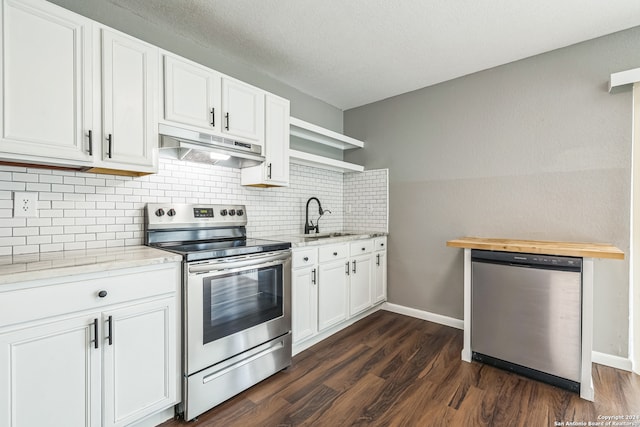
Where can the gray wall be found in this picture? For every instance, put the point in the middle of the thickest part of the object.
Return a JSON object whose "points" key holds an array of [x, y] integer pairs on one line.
{"points": [[303, 106], [535, 149]]}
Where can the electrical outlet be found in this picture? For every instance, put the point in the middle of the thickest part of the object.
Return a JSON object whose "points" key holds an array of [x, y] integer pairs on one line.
{"points": [[25, 204]]}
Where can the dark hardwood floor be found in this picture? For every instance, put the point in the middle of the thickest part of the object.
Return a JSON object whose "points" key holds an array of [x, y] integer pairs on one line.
{"points": [[394, 370]]}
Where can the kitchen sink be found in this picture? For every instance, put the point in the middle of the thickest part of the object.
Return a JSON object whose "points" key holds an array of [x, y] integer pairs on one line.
{"points": [[312, 237]]}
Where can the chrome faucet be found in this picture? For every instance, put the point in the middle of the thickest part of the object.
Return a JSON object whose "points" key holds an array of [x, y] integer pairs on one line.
{"points": [[308, 225]]}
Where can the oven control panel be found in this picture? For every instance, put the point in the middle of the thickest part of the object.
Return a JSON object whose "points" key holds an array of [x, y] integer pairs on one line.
{"points": [[160, 215]]}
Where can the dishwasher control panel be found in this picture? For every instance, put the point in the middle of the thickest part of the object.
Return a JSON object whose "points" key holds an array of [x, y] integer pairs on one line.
{"points": [[518, 258]]}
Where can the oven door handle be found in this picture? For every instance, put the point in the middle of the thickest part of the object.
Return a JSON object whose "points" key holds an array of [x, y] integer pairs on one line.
{"points": [[255, 262]]}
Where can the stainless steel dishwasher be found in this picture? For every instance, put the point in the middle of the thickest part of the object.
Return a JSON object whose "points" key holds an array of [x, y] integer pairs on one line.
{"points": [[526, 314]]}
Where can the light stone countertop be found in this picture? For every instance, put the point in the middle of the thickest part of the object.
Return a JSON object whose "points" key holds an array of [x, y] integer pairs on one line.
{"points": [[47, 265], [313, 239]]}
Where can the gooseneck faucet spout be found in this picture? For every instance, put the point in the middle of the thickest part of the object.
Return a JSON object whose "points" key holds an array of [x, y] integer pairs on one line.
{"points": [[308, 225]]}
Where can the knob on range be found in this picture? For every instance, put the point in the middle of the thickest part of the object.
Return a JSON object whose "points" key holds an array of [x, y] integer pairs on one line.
{"points": [[160, 212], [232, 212], [223, 212], [239, 212], [171, 212]]}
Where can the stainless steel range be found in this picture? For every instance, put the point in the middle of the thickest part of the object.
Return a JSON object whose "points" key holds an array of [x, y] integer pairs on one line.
{"points": [[236, 300]]}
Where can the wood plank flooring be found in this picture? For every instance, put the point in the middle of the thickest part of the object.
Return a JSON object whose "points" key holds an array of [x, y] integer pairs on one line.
{"points": [[393, 370]]}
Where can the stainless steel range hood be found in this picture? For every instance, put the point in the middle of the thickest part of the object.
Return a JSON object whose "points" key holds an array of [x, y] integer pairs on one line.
{"points": [[193, 146]]}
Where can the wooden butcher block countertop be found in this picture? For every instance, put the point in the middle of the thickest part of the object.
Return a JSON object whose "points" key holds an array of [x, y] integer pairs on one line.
{"points": [[585, 250]]}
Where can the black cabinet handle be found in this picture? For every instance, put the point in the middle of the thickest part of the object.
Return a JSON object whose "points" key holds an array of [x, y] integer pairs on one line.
{"points": [[347, 266], [110, 336], [95, 333], [90, 142], [363, 249], [269, 171], [335, 254], [313, 277], [102, 294], [354, 267], [306, 258], [226, 116], [378, 259], [110, 143], [213, 117]]}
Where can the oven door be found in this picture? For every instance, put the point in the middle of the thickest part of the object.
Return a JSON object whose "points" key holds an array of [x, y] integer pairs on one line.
{"points": [[234, 304]]}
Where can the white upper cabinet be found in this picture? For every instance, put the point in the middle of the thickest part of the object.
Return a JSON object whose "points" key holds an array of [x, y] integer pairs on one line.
{"points": [[46, 83], [129, 106], [75, 93], [191, 94], [243, 110], [275, 170], [203, 98]]}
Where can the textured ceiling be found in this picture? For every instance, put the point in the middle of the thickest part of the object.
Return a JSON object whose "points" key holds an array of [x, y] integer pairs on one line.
{"points": [[353, 52]]}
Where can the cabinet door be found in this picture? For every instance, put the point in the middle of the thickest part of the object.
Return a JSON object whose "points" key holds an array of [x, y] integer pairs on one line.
{"points": [[360, 284], [380, 277], [275, 170], [139, 362], [50, 374], [332, 293], [46, 82], [243, 110], [129, 79], [304, 305], [276, 142], [191, 94]]}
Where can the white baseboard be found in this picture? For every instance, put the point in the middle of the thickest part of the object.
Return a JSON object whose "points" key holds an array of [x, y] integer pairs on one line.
{"points": [[612, 361], [424, 315], [617, 362]]}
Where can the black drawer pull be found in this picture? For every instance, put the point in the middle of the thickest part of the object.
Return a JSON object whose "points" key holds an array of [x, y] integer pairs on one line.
{"points": [[102, 294], [95, 333], [110, 337]]}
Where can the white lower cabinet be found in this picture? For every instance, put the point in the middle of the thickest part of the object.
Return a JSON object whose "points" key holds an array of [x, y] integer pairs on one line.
{"points": [[139, 361], [304, 295], [360, 282], [50, 374], [380, 270], [332, 284], [107, 360], [332, 294]]}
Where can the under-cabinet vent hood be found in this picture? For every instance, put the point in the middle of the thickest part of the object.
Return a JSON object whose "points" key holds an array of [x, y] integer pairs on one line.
{"points": [[194, 146]]}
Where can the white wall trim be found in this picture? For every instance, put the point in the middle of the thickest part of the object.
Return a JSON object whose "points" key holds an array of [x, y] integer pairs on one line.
{"points": [[424, 315], [610, 360]]}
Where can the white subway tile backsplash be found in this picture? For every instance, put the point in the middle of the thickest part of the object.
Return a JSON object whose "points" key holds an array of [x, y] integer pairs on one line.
{"points": [[84, 210], [366, 200]]}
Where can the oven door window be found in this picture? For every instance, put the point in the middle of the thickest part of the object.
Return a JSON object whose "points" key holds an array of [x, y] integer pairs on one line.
{"points": [[238, 301]]}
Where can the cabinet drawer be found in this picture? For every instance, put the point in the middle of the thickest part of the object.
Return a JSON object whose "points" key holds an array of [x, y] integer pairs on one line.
{"points": [[380, 243], [361, 247], [81, 294], [333, 252], [304, 257]]}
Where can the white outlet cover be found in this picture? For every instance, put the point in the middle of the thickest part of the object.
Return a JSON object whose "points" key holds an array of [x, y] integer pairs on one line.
{"points": [[25, 204]]}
